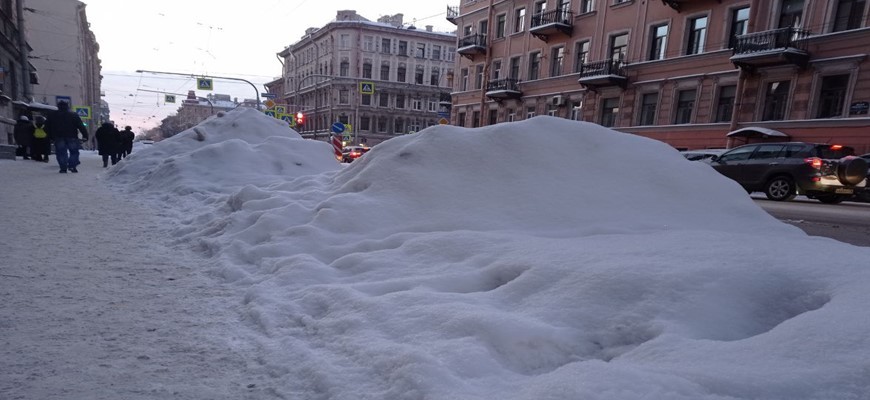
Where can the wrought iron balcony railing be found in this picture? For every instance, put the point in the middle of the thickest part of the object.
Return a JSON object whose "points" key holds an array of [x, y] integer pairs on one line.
{"points": [[776, 39], [598, 68], [505, 85], [473, 40], [564, 17]]}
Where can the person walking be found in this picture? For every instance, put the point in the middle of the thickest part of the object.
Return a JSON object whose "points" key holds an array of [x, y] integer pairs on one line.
{"points": [[41, 148], [127, 137], [23, 133], [63, 127], [108, 142]]}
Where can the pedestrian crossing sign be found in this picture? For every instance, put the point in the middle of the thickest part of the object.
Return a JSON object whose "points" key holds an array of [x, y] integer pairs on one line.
{"points": [[271, 113], [84, 112], [170, 98], [288, 118], [280, 109], [204, 84], [367, 87]]}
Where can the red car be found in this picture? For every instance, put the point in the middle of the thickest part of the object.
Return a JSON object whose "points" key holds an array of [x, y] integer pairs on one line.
{"points": [[350, 153]]}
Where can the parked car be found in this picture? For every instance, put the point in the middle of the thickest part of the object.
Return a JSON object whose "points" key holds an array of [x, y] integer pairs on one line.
{"points": [[828, 173], [863, 194], [350, 153], [701, 154]]}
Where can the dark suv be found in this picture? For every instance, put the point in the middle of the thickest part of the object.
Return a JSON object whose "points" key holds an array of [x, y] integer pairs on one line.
{"points": [[828, 173]]}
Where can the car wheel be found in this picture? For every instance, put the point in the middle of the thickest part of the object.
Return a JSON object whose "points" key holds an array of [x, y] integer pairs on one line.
{"points": [[830, 199], [851, 170], [780, 188]]}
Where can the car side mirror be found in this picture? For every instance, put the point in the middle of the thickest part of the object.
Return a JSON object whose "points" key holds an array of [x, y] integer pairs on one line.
{"points": [[714, 158]]}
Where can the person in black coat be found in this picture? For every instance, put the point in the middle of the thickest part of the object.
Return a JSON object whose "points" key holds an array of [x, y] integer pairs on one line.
{"points": [[127, 137], [63, 127], [108, 143], [23, 133]]}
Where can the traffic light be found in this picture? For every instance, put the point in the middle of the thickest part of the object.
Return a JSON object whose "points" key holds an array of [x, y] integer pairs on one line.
{"points": [[300, 119]]}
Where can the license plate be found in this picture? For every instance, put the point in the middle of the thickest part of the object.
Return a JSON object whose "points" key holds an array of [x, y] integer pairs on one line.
{"points": [[844, 191]]}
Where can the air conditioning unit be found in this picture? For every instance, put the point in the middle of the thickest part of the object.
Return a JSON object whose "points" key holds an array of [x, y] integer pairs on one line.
{"points": [[557, 101]]}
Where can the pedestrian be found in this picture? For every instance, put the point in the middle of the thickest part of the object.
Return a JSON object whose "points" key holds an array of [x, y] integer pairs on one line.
{"points": [[127, 137], [108, 142], [23, 133], [63, 127], [41, 148]]}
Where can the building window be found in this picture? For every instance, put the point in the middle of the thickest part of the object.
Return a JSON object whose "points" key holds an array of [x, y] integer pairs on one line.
{"points": [[460, 119], [365, 124], [496, 69], [463, 79], [436, 52], [557, 59], [386, 46], [493, 116], [581, 57], [609, 111], [478, 76], [619, 47], [648, 104], [367, 70], [520, 20], [739, 25], [530, 112], [385, 72], [832, 96], [343, 96], [483, 27], [475, 119], [400, 101], [511, 115], [775, 101], [791, 13], [399, 125], [685, 106], [848, 15], [403, 48], [368, 43], [435, 77], [499, 25], [366, 99], [344, 68], [382, 124], [344, 41], [383, 99], [725, 103], [418, 75], [586, 6], [577, 111], [400, 74], [534, 65], [658, 40], [697, 35], [421, 50], [515, 68], [417, 104]]}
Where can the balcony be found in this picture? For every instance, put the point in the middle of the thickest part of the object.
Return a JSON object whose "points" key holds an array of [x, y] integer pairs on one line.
{"points": [[782, 46], [676, 4], [444, 100], [472, 45], [452, 14], [552, 22], [603, 73], [501, 89]]}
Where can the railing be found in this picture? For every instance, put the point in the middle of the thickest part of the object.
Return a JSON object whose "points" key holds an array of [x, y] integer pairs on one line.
{"points": [[606, 67], [771, 40], [475, 39], [506, 84], [552, 17], [452, 12]]}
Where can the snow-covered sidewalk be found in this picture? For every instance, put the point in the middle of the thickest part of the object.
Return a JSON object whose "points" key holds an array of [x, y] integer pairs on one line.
{"points": [[97, 305]]}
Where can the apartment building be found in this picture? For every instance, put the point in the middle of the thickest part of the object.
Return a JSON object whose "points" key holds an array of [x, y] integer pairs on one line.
{"points": [[16, 73], [381, 78], [692, 73]]}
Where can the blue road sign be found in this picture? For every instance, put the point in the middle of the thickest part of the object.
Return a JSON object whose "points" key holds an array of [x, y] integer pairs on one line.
{"points": [[269, 95], [338, 127], [59, 99], [204, 84]]}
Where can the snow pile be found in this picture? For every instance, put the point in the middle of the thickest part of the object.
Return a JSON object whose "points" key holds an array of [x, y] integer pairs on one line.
{"points": [[542, 259]]}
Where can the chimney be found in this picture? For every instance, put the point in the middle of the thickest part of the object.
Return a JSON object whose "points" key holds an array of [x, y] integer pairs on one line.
{"points": [[191, 95], [346, 15], [428, 28]]}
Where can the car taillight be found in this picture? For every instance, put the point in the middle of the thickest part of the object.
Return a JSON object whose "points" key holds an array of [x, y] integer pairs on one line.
{"points": [[814, 162], [836, 147]]}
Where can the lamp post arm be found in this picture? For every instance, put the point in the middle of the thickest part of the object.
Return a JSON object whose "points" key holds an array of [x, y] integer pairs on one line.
{"points": [[256, 92]]}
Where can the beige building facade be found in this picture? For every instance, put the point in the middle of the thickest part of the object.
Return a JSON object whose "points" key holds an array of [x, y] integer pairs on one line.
{"points": [[687, 72], [381, 78]]}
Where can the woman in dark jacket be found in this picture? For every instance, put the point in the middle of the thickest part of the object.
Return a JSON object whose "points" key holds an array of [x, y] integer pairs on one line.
{"points": [[23, 133], [108, 143]]}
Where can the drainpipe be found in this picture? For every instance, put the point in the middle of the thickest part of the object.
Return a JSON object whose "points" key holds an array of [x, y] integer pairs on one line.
{"points": [[24, 53], [484, 81]]}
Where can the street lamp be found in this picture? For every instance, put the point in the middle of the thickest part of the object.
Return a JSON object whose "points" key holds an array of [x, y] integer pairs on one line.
{"points": [[256, 92]]}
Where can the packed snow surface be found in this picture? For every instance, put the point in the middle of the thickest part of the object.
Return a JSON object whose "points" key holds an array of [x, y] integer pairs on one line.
{"points": [[541, 259]]}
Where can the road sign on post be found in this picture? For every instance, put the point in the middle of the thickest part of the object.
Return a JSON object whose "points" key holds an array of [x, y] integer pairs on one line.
{"points": [[269, 95], [169, 98], [338, 127], [84, 112], [204, 84], [367, 87]]}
